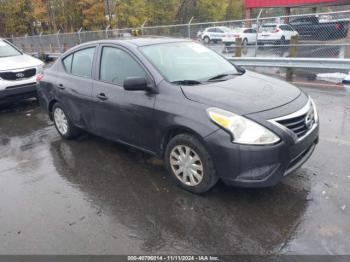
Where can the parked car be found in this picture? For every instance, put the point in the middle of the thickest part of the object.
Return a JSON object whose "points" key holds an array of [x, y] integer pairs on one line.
{"points": [[311, 28], [18, 73], [248, 36], [275, 34], [183, 102], [214, 34]]}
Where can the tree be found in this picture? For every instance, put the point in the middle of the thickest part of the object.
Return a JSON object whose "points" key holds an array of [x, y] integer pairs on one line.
{"points": [[93, 12], [234, 9], [211, 10], [131, 13]]}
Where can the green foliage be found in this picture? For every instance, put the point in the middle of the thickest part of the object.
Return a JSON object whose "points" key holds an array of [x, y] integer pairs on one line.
{"points": [[18, 17]]}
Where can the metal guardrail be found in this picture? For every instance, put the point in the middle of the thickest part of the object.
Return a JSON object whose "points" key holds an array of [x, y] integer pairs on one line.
{"points": [[288, 62]]}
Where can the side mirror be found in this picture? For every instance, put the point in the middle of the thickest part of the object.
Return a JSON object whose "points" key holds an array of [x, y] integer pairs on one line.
{"points": [[136, 84]]}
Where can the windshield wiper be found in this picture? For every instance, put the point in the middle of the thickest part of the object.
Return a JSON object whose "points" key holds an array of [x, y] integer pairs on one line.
{"points": [[187, 82], [219, 76]]}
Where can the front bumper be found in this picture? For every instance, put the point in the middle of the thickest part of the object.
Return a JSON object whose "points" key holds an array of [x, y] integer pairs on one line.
{"points": [[258, 166], [19, 92]]}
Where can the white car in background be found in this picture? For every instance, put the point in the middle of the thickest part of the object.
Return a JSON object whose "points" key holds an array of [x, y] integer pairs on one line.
{"points": [[275, 34], [214, 34], [18, 73], [248, 36]]}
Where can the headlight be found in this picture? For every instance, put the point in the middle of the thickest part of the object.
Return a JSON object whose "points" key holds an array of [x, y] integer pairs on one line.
{"points": [[243, 130], [315, 110], [40, 69]]}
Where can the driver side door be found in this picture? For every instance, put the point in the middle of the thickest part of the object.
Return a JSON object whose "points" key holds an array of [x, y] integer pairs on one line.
{"points": [[121, 115]]}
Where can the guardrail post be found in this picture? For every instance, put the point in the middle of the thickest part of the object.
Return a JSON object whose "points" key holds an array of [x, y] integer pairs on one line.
{"points": [[41, 44], [58, 41], [189, 28], [106, 31], [238, 49], [142, 26], [257, 31], [292, 53], [347, 48], [79, 37]]}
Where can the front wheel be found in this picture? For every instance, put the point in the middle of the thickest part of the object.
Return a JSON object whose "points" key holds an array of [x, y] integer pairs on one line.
{"points": [[190, 164], [62, 123], [206, 40]]}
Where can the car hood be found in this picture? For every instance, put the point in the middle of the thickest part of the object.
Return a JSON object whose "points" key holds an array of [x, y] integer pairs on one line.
{"points": [[18, 62], [245, 94]]}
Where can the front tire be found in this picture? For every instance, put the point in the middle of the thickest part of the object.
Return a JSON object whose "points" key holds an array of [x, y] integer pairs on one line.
{"points": [[62, 123], [206, 40], [190, 164]]}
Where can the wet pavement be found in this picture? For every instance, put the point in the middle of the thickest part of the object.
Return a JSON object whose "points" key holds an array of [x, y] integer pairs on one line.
{"points": [[93, 196]]}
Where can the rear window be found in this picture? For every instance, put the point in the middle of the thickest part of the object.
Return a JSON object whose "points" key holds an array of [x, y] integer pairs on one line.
{"points": [[82, 62], [7, 50], [268, 28]]}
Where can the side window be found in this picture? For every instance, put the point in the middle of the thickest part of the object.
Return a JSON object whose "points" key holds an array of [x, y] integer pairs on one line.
{"points": [[211, 30], [67, 63], [82, 62], [117, 65], [253, 31], [219, 30], [283, 27]]}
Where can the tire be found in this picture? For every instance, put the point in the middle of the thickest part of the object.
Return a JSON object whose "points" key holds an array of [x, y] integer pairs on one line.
{"points": [[282, 41], [202, 164], [62, 123], [206, 40], [245, 42]]}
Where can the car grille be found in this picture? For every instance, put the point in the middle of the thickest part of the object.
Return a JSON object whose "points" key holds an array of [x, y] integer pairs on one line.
{"points": [[18, 75], [299, 125]]}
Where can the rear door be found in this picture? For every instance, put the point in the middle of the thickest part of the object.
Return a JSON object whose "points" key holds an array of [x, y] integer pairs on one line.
{"points": [[122, 115], [74, 86]]}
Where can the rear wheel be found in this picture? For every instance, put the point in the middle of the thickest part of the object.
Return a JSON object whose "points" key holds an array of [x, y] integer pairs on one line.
{"points": [[190, 164], [245, 42], [206, 40], [282, 41], [62, 123]]}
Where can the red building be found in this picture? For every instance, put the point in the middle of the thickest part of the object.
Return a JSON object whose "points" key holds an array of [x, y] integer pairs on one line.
{"points": [[251, 4]]}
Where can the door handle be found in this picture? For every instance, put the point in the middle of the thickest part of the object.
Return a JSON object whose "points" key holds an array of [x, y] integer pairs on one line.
{"points": [[102, 96], [61, 86]]}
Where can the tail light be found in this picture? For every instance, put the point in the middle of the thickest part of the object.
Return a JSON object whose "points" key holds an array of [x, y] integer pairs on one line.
{"points": [[338, 26], [276, 30], [39, 77]]}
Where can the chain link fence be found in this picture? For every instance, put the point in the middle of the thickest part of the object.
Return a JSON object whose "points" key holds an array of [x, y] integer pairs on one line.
{"points": [[307, 35]]}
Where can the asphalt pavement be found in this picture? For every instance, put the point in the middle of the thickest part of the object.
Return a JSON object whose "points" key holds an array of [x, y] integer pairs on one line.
{"points": [[93, 196]]}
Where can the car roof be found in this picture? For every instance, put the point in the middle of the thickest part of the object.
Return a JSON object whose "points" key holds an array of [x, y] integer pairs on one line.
{"points": [[140, 41]]}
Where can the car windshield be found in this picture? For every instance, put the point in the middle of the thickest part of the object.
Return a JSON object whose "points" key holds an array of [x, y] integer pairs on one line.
{"points": [[187, 61], [225, 29], [7, 50], [268, 28]]}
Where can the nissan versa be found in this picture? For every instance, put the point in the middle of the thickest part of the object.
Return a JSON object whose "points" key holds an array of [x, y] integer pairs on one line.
{"points": [[183, 102]]}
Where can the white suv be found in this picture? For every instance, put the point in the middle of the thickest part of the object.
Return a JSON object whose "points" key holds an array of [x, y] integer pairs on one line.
{"points": [[18, 73], [275, 34], [214, 34]]}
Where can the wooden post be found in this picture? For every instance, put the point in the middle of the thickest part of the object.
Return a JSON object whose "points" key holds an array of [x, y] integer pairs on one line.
{"points": [[293, 52], [238, 49], [287, 14], [347, 48]]}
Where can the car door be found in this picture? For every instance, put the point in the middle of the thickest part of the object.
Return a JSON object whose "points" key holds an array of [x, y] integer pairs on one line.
{"points": [[122, 115], [74, 86], [253, 35]]}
